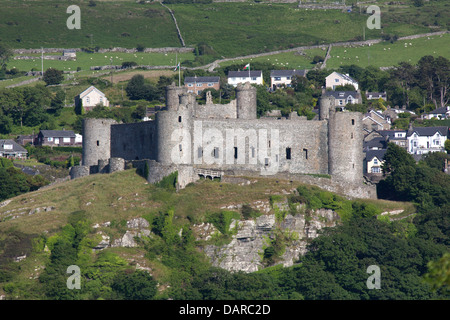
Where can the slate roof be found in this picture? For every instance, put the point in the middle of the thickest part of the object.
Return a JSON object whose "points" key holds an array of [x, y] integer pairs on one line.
{"points": [[428, 131], [288, 73], [245, 73], [57, 133], [377, 142], [342, 94], [201, 79], [379, 154], [441, 110], [16, 147]]}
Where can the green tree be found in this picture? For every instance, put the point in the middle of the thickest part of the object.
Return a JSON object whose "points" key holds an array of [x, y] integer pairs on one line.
{"points": [[138, 285], [5, 54], [53, 76]]}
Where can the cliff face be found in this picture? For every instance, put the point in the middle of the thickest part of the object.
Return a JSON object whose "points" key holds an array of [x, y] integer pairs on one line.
{"points": [[246, 249]]}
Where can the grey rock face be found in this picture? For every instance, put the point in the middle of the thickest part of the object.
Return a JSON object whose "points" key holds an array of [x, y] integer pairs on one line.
{"points": [[244, 252]]}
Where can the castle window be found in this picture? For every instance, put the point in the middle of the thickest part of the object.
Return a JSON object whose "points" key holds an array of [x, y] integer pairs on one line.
{"points": [[266, 162], [98, 143], [288, 153], [253, 152], [216, 152], [305, 153], [235, 152], [181, 149], [269, 143], [200, 152], [179, 118], [352, 135], [353, 122]]}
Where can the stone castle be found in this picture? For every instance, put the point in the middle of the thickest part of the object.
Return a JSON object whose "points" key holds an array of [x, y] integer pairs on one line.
{"points": [[228, 140]]}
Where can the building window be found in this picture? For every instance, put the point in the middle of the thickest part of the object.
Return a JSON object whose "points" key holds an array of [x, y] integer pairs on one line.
{"points": [[277, 78], [235, 152], [210, 84], [305, 153], [49, 139], [254, 78], [288, 153], [199, 152], [216, 152], [336, 80], [375, 161], [351, 137], [266, 162], [190, 85], [181, 148], [179, 118], [66, 140], [436, 142], [98, 142], [353, 122], [253, 152], [376, 170]]}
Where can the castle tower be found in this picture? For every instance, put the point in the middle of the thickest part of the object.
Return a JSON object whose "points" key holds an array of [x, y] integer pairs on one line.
{"points": [[246, 101], [173, 94], [345, 146], [326, 104], [96, 140], [174, 134]]}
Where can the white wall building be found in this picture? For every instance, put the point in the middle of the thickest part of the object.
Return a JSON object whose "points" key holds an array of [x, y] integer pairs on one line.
{"points": [[90, 98], [236, 77], [337, 79], [422, 140]]}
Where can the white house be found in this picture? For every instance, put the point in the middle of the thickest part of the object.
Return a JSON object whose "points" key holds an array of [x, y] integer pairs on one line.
{"points": [[236, 77], [90, 98], [439, 113], [280, 78], [422, 140], [337, 79]]}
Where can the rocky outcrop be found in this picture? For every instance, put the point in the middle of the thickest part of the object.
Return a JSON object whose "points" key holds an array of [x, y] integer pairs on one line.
{"points": [[244, 252]]}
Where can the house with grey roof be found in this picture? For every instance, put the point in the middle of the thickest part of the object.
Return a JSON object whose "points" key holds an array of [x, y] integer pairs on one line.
{"points": [[11, 149], [397, 136], [439, 113], [422, 140], [373, 161], [283, 78], [342, 98], [57, 138], [336, 79], [198, 84]]}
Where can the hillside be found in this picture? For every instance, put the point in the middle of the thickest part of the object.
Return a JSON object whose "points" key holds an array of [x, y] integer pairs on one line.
{"points": [[230, 29], [30, 224]]}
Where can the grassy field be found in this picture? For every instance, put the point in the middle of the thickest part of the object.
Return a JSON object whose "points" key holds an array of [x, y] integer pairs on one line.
{"points": [[86, 60]]}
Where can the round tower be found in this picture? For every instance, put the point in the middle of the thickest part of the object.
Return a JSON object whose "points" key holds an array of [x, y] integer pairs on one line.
{"points": [[173, 94], [96, 140], [326, 104], [345, 146], [246, 101], [173, 135]]}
